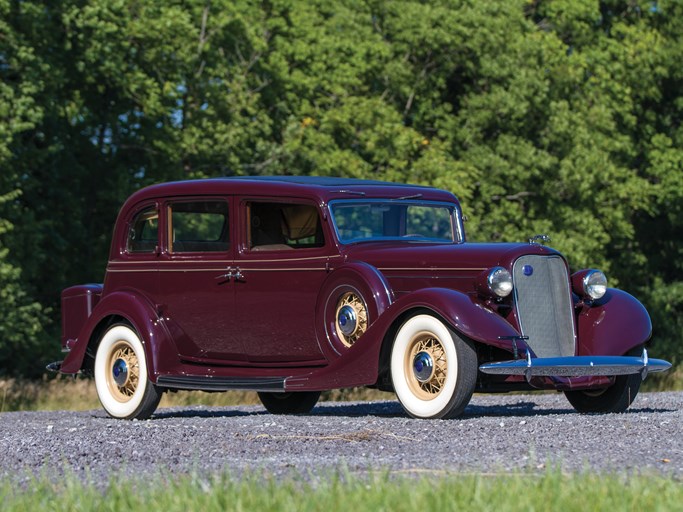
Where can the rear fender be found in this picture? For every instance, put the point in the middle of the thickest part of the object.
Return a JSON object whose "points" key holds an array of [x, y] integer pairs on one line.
{"points": [[613, 325], [137, 310]]}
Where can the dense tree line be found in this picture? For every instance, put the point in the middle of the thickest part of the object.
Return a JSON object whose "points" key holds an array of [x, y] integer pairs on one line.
{"points": [[560, 117]]}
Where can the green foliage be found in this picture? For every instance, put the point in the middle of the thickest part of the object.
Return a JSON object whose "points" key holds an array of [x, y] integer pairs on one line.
{"points": [[560, 117], [377, 491]]}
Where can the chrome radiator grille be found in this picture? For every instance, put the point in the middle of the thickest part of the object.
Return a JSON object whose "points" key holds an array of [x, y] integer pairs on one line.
{"points": [[544, 306]]}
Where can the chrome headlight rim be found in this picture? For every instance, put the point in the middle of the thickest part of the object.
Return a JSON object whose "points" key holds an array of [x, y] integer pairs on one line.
{"points": [[594, 284], [499, 282]]}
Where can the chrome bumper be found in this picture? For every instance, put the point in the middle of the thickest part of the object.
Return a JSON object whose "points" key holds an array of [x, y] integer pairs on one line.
{"points": [[577, 366]]}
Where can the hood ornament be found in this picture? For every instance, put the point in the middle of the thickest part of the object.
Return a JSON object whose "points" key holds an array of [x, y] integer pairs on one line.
{"points": [[539, 240]]}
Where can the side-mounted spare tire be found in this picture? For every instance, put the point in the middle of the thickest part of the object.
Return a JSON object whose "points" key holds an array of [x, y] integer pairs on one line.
{"points": [[350, 300]]}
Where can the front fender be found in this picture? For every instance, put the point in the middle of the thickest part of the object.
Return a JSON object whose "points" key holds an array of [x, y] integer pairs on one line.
{"points": [[136, 309], [613, 325], [359, 365], [465, 315]]}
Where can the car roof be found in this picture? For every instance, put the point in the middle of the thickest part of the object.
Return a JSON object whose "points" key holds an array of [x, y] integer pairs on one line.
{"points": [[320, 188]]}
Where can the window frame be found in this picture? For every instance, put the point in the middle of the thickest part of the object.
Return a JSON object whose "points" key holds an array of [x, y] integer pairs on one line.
{"points": [[456, 221], [245, 248], [167, 235], [136, 212]]}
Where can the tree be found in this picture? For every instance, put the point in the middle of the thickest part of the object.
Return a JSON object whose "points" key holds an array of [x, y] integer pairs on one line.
{"points": [[560, 117]]}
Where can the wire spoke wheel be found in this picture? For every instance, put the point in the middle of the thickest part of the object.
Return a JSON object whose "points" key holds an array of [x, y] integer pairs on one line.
{"points": [[124, 376], [121, 379], [426, 365], [351, 318], [433, 369]]}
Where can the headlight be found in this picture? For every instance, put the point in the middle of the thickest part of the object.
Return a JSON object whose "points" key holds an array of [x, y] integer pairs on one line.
{"points": [[499, 281], [589, 284], [594, 284]]}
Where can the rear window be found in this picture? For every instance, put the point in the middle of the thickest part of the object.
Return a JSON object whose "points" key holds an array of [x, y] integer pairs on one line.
{"points": [[143, 235]]}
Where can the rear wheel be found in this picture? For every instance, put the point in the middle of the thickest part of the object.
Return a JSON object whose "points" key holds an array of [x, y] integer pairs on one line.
{"points": [[616, 398], [121, 379], [433, 369], [299, 402]]}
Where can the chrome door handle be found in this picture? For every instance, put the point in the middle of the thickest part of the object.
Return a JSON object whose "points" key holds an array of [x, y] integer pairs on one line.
{"points": [[225, 277], [235, 274]]}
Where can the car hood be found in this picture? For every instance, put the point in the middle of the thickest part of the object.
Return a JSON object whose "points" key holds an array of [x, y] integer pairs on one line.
{"points": [[408, 255]]}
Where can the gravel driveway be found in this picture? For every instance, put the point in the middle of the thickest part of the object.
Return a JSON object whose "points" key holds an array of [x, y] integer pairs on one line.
{"points": [[497, 434]]}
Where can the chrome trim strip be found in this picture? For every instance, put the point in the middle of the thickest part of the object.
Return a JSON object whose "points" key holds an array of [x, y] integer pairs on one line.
{"points": [[227, 260], [245, 269], [249, 260], [431, 269], [220, 270]]}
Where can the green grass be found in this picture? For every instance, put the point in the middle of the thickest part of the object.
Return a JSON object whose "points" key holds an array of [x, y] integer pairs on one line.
{"points": [[552, 490], [66, 393]]}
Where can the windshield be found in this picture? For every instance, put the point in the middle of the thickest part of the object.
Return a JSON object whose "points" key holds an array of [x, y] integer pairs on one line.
{"points": [[372, 220]]}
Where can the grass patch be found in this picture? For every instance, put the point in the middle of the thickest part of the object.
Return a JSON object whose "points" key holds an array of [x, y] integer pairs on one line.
{"points": [[552, 490], [78, 394], [667, 381]]}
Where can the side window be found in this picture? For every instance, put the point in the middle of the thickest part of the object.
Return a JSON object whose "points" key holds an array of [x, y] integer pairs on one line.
{"points": [[283, 226], [198, 226], [143, 235]]}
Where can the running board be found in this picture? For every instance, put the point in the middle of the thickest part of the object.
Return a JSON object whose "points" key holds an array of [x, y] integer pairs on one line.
{"points": [[577, 366], [203, 383]]}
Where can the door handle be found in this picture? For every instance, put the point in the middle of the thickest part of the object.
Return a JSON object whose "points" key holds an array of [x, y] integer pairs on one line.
{"points": [[235, 274]]}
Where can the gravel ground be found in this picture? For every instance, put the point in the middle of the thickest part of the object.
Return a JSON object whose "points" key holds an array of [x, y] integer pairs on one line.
{"points": [[497, 434]]}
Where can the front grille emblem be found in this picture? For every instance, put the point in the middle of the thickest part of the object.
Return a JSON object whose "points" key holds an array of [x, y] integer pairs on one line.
{"points": [[528, 270]]}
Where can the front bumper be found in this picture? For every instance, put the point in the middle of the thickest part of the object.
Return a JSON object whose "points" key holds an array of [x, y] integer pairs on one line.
{"points": [[577, 366]]}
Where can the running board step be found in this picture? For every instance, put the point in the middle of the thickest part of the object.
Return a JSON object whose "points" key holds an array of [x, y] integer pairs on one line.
{"points": [[203, 383]]}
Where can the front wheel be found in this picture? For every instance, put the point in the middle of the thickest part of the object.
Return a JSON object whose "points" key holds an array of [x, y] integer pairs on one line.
{"points": [[616, 398], [299, 402], [121, 379], [433, 369]]}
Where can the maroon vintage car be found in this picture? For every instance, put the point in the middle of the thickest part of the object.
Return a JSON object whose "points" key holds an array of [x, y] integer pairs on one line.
{"points": [[293, 285]]}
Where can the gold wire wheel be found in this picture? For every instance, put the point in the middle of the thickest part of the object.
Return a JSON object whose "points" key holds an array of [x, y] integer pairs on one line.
{"points": [[123, 373], [425, 366], [351, 318]]}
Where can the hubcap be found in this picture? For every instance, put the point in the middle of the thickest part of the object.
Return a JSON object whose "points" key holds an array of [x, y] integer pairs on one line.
{"points": [[351, 318], [347, 320], [423, 366], [120, 372]]}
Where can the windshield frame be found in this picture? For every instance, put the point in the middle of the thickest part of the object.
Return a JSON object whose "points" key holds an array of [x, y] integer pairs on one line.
{"points": [[455, 213]]}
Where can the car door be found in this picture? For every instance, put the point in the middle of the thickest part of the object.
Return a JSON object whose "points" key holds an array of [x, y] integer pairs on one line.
{"points": [[196, 289], [282, 261]]}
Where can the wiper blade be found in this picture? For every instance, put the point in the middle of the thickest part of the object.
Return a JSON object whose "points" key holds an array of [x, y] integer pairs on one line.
{"points": [[414, 196], [345, 191]]}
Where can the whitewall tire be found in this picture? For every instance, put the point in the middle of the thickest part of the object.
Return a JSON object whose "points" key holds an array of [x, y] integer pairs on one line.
{"points": [[123, 386], [433, 369]]}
